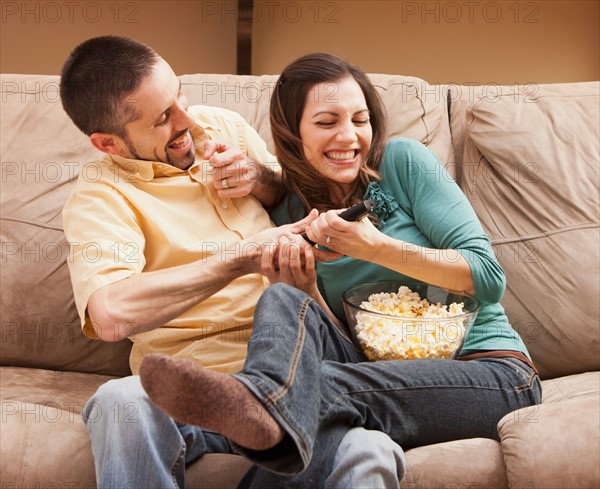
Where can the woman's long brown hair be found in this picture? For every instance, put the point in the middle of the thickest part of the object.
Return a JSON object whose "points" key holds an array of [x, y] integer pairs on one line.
{"points": [[287, 105]]}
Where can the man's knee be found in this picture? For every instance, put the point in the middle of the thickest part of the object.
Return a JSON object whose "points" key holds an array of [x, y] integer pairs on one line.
{"points": [[367, 458], [114, 400]]}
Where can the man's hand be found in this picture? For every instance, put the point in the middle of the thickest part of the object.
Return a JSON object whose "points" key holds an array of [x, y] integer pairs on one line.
{"points": [[236, 175], [267, 241]]}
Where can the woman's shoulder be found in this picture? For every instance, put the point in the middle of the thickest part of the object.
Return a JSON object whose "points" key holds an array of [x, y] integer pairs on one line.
{"points": [[290, 209], [405, 154], [407, 146]]}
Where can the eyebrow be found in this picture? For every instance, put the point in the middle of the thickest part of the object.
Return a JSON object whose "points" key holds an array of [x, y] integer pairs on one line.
{"points": [[168, 109], [328, 112]]}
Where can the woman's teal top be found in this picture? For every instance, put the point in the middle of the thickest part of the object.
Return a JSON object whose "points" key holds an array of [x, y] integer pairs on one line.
{"points": [[419, 203]]}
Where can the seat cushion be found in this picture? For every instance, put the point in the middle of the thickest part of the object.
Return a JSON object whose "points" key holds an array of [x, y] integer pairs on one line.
{"points": [[553, 445], [571, 387], [475, 462], [43, 436], [45, 440]]}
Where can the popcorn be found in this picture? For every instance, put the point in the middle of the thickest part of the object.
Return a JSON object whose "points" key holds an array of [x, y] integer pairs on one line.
{"points": [[387, 338]]}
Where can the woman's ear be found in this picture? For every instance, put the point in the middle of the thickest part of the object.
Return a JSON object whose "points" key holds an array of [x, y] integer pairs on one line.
{"points": [[107, 143]]}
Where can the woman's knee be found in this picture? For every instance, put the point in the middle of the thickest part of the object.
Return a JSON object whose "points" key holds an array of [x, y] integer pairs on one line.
{"points": [[284, 293]]}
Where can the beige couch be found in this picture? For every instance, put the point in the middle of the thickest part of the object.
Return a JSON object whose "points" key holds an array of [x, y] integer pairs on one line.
{"points": [[527, 157]]}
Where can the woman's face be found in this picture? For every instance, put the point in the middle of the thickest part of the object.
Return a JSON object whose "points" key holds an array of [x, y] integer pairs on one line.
{"points": [[335, 130]]}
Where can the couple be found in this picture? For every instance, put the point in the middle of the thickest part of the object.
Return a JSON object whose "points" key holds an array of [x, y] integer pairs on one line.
{"points": [[303, 385]]}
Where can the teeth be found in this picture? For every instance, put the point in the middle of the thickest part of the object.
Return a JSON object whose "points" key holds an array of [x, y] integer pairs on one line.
{"points": [[341, 155], [179, 142]]}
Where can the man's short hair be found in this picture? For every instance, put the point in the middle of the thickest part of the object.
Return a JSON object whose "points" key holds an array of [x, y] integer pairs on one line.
{"points": [[98, 77]]}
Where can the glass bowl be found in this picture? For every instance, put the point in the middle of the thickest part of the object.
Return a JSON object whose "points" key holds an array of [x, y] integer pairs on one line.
{"points": [[395, 332]]}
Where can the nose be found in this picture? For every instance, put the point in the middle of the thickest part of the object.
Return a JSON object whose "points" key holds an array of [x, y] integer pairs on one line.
{"points": [[182, 118], [347, 132]]}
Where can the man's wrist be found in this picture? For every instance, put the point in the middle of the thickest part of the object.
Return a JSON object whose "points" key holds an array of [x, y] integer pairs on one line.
{"points": [[241, 257]]}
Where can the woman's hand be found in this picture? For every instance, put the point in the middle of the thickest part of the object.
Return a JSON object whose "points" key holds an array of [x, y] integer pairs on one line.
{"points": [[357, 239], [293, 263]]}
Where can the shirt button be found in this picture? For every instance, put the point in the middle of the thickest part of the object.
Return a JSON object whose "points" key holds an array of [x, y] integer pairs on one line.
{"points": [[224, 205]]}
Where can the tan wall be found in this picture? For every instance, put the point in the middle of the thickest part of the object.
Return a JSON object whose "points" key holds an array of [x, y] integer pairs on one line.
{"points": [[458, 41], [37, 36], [479, 41]]}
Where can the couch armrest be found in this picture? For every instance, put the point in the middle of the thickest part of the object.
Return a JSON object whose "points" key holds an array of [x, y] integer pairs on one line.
{"points": [[554, 445]]}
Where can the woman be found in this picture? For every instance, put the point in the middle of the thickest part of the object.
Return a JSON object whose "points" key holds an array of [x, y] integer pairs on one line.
{"points": [[311, 384]]}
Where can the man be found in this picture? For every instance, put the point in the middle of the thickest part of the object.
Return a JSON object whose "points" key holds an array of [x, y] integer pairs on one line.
{"points": [[175, 215]]}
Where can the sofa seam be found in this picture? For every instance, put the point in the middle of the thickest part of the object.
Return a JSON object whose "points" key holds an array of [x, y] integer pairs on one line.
{"points": [[32, 223], [546, 234], [423, 111]]}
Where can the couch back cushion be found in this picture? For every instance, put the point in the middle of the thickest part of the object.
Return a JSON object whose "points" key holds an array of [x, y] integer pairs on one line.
{"points": [[530, 168], [42, 152], [415, 109]]}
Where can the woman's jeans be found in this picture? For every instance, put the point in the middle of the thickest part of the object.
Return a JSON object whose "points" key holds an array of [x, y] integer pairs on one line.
{"points": [[316, 384]]}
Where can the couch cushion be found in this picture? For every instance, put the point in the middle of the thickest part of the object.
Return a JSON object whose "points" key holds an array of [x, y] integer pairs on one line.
{"points": [[31, 433], [41, 155], [42, 408], [216, 470], [571, 387], [416, 109], [530, 169], [476, 462], [554, 445], [27, 461]]}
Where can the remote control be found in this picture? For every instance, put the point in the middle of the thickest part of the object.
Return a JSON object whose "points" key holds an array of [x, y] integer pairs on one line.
{"points": [[354, 213]]}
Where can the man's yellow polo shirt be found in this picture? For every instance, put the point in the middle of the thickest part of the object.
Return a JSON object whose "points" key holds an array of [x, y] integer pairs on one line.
{"points": [[129, 216]]}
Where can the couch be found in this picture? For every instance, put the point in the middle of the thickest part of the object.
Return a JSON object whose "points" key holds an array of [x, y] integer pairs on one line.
{"points": [[526, 156]]}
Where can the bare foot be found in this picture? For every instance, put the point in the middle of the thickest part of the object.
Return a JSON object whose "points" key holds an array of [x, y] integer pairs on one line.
{"points": [[194, 395]]}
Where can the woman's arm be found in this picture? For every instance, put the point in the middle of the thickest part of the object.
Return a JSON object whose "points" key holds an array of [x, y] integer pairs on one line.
{"points": [[445, 268], [449, 248]]}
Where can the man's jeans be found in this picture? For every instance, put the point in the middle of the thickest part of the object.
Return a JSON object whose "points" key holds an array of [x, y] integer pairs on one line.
{"points": [[317, 386], [137, 446]]}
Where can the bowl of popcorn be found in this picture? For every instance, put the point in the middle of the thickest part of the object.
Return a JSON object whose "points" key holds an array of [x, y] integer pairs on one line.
{"points": [[407, 321]]}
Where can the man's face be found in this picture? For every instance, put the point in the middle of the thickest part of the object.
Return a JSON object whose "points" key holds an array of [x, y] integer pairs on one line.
{"points": [[162, 132]]}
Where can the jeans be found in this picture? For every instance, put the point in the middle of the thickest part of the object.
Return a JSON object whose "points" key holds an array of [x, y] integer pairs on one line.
{"points": [[367, 460], [314, 382], [137, 446]]}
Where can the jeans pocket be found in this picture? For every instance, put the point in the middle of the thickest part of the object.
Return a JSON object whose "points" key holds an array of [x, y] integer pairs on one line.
{"points": [[530, 380]]}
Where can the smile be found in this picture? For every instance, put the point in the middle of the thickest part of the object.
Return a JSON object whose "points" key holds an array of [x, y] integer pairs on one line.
{"points": [[181, 141], [341, 155]]}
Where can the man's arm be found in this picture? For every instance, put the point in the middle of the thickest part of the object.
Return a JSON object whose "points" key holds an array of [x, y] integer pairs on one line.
{"points": [[147, 300]]}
